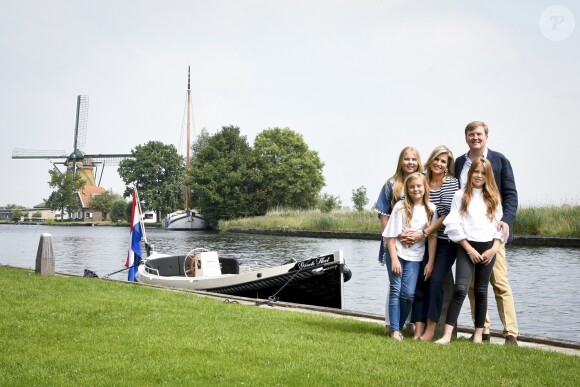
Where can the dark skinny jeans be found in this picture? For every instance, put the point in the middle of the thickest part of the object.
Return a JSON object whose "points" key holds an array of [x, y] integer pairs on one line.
{"points": [[429, 294], [464, 270]]}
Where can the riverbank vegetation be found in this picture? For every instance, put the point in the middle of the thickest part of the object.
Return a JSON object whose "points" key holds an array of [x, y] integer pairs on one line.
{"points": [[563, 221], [61, 330], [553, 221]]}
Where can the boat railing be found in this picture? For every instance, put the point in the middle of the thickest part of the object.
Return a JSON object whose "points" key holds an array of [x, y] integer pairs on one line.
{"points": [[152, 270]]}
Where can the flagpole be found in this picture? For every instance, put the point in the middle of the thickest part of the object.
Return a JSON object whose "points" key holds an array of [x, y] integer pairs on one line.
{"points": [[134, 254], [141, 214]]}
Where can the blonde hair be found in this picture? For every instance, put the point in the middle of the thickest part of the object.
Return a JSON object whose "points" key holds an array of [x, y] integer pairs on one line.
{"points": [[399, 178], [490, 193], [440, 150], [409, 206]]}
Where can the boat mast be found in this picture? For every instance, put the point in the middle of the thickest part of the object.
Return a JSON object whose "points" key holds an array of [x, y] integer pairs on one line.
{"points": [[188, 137]]}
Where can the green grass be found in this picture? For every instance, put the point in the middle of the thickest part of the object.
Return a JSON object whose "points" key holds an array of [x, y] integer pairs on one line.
{"points": [[84, 331], [561, 221]]}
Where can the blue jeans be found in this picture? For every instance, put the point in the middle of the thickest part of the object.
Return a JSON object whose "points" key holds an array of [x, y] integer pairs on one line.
{"points": [[401, 292]]}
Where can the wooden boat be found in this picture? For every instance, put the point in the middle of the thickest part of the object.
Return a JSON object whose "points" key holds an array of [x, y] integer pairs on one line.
{"points": [[186, 219], [313, 281]]}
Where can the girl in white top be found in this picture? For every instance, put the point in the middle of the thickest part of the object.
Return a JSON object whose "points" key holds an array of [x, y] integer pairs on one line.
{"points": [[413, 213], [473, 224]]}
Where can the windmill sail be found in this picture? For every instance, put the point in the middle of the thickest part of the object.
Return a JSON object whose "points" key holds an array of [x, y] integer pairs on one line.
{"points": [[77, 161], [81, 122]]}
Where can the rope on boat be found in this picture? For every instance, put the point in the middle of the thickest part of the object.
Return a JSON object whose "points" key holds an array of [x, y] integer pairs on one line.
{"points": [[115, 272], [273, 298]]}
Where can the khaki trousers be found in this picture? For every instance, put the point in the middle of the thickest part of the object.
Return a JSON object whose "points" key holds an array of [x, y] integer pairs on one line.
{"points": [[503, 296]]}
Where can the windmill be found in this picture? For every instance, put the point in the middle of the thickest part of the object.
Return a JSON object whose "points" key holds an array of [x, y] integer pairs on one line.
{"points": [[78, 161]]}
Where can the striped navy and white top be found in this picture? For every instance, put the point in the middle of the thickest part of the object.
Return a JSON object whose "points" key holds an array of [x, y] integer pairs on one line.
{"points": [[442, 198]]}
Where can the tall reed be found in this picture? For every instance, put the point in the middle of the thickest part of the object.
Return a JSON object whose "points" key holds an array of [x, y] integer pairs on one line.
{"points": [[561, 221], [338, 220]]}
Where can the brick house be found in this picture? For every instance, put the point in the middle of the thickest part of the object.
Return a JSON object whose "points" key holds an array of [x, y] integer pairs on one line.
{"points": [[86, 213]]}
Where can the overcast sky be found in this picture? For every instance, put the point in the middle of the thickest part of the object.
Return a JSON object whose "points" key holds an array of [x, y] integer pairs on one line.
{"points": [[358, 79]]}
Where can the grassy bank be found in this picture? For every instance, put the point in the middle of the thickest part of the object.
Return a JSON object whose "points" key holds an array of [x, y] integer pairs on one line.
{"points": [[545, 221], [72, 330]]}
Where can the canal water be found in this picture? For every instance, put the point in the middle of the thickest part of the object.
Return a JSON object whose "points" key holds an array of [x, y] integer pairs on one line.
{"points": [[544, 279]]}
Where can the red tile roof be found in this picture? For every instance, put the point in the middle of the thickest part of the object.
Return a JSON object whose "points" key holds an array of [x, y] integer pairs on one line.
{"points": [[87, 193]]}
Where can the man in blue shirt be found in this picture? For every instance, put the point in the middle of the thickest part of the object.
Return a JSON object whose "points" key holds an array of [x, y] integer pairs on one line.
{"points": [[476, 134]]}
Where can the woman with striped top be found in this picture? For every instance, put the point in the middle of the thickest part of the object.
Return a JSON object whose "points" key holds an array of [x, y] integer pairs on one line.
{"points": [[429, 292]]}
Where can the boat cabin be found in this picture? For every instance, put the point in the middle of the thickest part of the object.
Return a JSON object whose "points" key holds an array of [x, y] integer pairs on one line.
{"points": [[203, 265], [199, 265]]}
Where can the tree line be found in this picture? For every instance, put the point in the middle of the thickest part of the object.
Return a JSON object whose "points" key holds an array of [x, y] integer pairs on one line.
{"points": [[228, 178]]}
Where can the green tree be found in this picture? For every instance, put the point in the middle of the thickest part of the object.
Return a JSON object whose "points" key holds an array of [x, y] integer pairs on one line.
{"points": [[327, 202], [200, 141], [119, 210], [359, 198], [104, 202], [292, 173], [158, 172], [223, 179], [64, 197]]}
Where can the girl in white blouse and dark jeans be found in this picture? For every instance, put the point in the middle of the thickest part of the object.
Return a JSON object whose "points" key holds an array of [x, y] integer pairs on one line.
{"points": [[473, 224]]}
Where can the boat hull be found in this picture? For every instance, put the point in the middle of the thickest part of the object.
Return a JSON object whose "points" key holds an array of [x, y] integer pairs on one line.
{"points": [[185, 220], [316, 281]]}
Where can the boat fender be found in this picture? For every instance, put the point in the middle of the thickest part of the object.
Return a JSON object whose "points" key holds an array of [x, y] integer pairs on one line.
{"points": [[347, 273]]}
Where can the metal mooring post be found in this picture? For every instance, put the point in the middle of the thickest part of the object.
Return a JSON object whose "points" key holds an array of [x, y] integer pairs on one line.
{"points": [[45, 256]]}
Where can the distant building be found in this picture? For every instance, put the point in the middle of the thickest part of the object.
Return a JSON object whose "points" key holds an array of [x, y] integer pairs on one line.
{"points": [[86, 213], [5, 214], [45, 212], [149, 217]]}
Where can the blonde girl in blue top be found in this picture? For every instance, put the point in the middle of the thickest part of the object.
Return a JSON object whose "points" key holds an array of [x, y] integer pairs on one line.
{"points": [[392, 191], [413, 213]]}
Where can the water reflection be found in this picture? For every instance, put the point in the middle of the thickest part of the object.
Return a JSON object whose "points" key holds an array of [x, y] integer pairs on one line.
{"points": [[543, 279]]}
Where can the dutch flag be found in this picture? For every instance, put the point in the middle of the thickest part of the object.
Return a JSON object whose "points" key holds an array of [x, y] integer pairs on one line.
{"points": [[134, 255]]}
